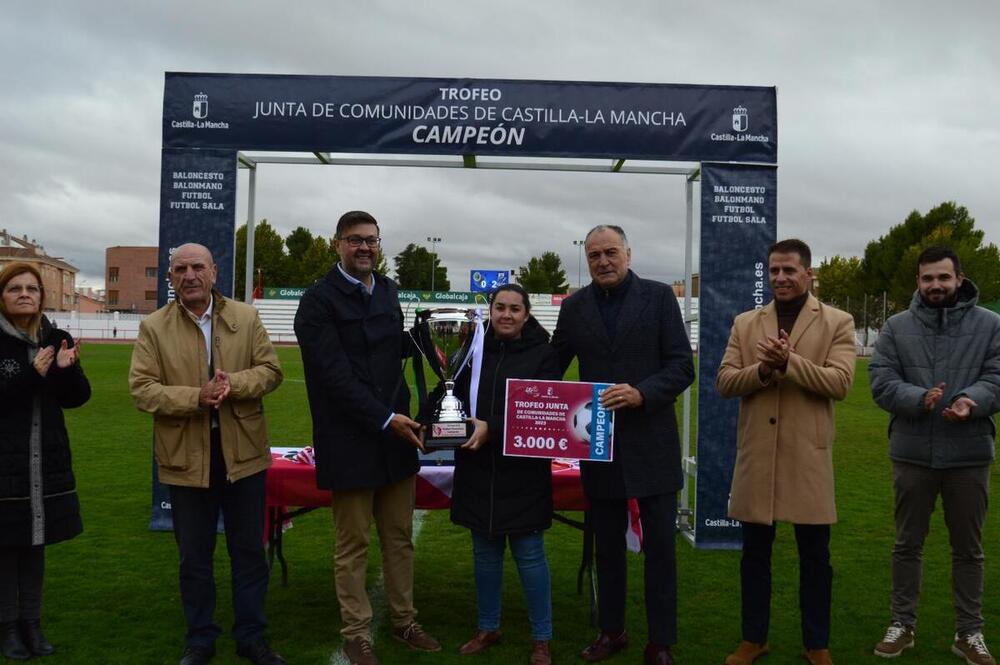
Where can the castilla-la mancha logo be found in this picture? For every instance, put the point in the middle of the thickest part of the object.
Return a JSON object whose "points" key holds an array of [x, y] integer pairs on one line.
{"points": [[200, 107], [741, 120]]}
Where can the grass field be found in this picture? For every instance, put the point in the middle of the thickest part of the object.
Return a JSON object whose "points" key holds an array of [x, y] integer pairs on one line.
{"points": [[112, 594]]}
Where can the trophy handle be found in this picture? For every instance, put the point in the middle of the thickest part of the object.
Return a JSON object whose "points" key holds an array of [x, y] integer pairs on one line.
{"points": [[417, 346]]}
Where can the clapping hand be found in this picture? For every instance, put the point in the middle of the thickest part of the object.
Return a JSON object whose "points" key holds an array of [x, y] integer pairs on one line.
{"points": [[959, 410], [773, 351], [215, 391], [933, 396], [66, 356], [43, 360]]}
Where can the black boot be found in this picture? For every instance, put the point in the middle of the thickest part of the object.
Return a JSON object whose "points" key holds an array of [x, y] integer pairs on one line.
{"points": [[31, 631], [13, 647]]}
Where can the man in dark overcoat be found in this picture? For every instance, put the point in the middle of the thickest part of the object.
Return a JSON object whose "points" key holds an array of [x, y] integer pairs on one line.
{"points": [[629, 331], [350, 331]]}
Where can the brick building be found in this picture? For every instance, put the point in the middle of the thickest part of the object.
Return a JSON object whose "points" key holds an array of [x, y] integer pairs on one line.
{"points": [[130, 279], [678, 286], [89, 300], [58, 277]]}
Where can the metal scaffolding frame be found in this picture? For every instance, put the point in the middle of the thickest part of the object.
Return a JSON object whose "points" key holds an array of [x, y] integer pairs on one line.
{"points": [[692, 174]]}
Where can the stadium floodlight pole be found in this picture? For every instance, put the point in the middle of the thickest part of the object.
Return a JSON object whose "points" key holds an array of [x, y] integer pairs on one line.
{"points": [[579, 264], [433, 240]]}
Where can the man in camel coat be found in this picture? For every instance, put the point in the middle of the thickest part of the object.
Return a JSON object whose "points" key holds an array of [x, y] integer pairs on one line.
{"points": [[787, 362]]}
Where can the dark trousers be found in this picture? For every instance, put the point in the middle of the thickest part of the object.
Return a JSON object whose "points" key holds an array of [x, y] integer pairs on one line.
{"points": [[815, 582], [196, 516], [21, 572], [965, 494], [610, 520]]}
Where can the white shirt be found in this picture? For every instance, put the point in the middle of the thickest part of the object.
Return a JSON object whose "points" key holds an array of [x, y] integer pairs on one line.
{"points": [[205, 324], [354, 280]]}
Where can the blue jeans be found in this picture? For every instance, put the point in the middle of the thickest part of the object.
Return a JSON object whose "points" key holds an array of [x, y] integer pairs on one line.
{"points": [[529, 555]]}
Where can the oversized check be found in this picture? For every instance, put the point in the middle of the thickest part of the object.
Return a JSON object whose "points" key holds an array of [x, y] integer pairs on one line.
{"points": [[557, 419]]}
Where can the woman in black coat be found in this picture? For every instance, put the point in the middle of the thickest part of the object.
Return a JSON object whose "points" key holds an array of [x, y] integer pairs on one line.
{"points": [[506, 499], [40, 375]]}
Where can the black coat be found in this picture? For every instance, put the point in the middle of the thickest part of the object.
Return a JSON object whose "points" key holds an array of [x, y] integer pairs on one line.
{"points": [[494, 494], [651, 352], [352, 347], [21, 390]]}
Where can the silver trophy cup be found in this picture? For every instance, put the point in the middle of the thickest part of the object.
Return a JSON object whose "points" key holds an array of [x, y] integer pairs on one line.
{"points": [[444, 337]]}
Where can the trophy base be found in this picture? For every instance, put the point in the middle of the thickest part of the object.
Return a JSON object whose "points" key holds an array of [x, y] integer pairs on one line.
{"points": [[447, 435]]}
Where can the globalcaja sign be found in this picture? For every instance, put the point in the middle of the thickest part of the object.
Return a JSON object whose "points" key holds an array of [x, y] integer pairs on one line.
{"points": [[470, 116], [283, 293], [409, 295], [456, 297]]}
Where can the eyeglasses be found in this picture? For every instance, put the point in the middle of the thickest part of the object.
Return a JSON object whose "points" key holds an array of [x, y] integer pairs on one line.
{"points": [[356, 241]]}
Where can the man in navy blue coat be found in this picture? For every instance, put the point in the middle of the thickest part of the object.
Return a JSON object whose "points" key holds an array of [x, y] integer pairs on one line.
{"points": [[629, 331], [350, 331]]}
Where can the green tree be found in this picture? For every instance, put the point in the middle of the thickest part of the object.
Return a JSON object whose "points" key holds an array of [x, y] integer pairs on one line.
{"points": [[841, 285], [890, 262], [840, 280], [316, 261], [543, 274], [413, 269], [382, 268], [298, 243], [268, 256]]}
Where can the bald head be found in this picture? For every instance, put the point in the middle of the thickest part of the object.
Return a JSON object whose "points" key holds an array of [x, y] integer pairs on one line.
{"points": [[192, 274], [193, 249]]}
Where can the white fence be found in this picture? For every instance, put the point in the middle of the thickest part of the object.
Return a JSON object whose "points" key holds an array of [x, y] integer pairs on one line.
{"points": [[100, 326], [278, 317]]}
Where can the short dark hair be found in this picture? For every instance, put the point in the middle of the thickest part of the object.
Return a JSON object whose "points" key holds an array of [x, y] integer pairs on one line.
{"points": [[351, 219], [936, 253], [792, 246], [516, 288]]}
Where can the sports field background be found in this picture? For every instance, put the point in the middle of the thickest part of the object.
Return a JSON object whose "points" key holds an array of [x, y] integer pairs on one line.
{"points": [[112, 594]]}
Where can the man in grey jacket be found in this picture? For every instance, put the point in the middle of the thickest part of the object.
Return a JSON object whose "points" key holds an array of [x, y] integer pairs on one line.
{"points": [[936, 370]]}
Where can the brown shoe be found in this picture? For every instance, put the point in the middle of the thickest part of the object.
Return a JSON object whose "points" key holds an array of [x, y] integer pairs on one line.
{"points": [[358, 651], [972, 647], [606, 645], [482, 640], [656, 654], [818, 656], [414, 637], [897, 639], [747, 652], [540, 653]]}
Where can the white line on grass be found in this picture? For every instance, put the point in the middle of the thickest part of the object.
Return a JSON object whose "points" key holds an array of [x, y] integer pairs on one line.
{"points": [[376, 595]]}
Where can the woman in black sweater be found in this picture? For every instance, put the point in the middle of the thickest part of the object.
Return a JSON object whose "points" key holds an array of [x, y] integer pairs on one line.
{"points": [[40, 376], [506, 499]]}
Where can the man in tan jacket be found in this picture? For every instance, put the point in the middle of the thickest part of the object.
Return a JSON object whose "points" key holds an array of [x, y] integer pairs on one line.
{"points": [[201, 365], [787, 362]]}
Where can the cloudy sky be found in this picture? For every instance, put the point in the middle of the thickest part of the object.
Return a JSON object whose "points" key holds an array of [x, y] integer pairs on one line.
{"points": [[883, 108]]}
